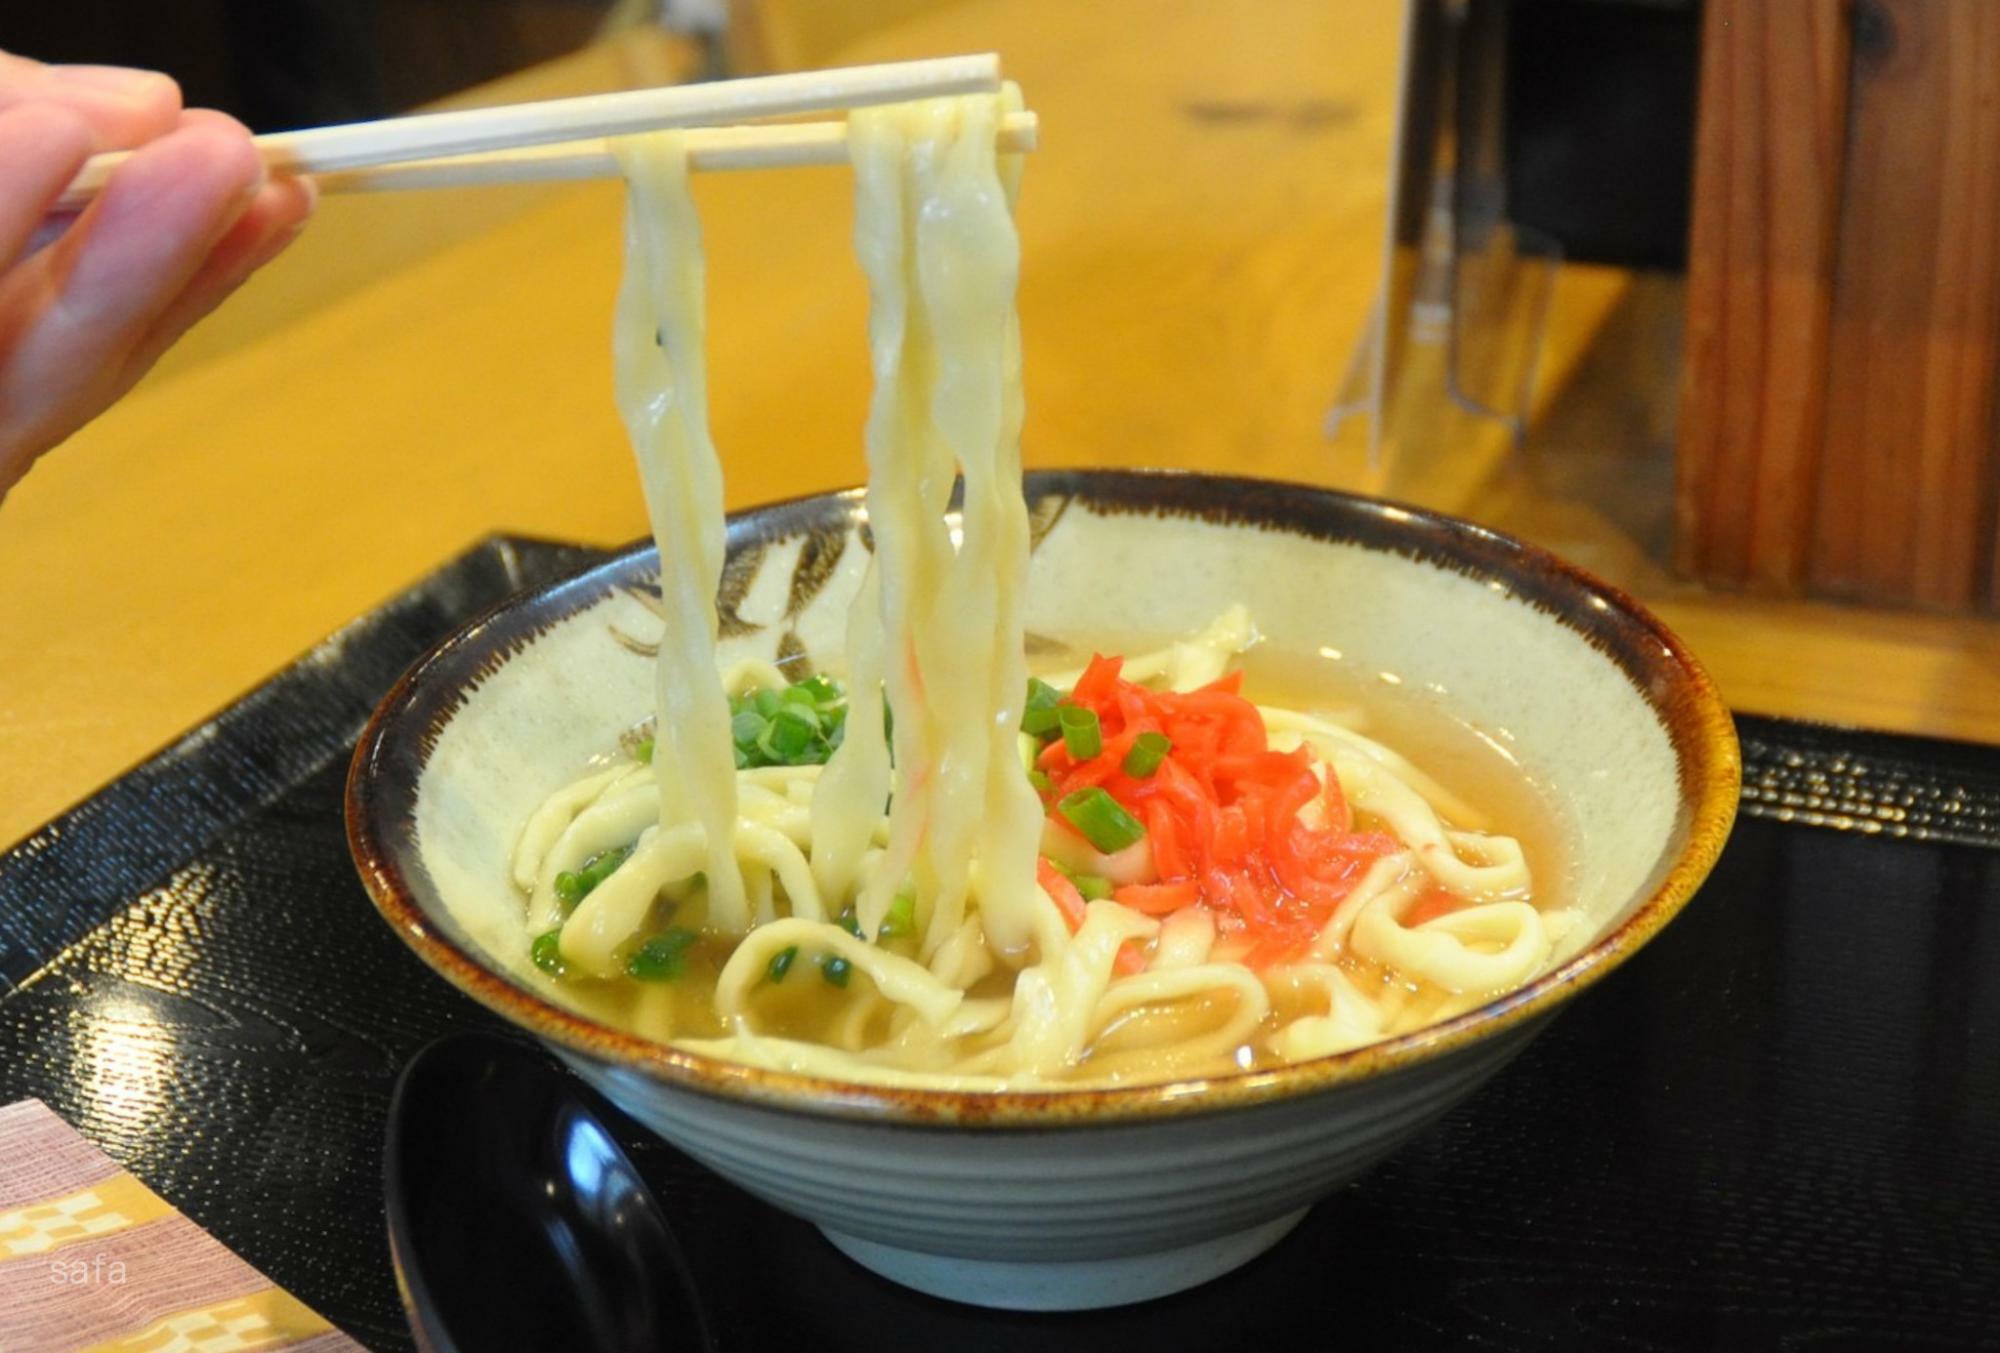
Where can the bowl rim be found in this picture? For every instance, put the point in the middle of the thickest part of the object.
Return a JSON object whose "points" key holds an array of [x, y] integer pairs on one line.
{"points": [[1698, 725]]}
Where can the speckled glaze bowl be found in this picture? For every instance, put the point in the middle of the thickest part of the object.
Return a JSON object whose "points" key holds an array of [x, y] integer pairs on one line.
{"points": [[1090, 1197]]}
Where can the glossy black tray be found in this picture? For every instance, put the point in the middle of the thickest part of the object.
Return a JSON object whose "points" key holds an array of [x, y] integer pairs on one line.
{"points": [[1779, 1126]]}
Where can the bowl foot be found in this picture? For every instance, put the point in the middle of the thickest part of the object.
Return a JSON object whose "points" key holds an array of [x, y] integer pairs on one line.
{"points": [[1075, 1285]]}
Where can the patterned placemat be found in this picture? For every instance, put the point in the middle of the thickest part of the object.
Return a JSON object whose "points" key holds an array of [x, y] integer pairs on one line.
{"points": [[91, 1259]]}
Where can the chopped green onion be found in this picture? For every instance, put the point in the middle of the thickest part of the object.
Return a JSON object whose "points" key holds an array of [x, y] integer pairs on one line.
{"points": [[1039, 718], [781, 963], [601, 866], [572, 886], [1101, 818], [796, 725], [849, 922], [834, 969], [644, 751], [1148, 751], [1080, 733], [1041, 781], [902, 917], [547, 953], [1093, 887], [791, 733], [823, 691], [663, 957]]}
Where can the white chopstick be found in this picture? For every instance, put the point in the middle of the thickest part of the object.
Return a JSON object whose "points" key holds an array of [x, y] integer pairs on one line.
{"points": [[783, 146], [430, 135]]}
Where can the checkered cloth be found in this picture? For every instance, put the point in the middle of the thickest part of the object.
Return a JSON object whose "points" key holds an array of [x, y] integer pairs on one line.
{"points": [[91, 1259]]}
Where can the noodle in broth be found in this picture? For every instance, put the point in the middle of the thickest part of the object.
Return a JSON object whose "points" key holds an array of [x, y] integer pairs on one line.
{"points": [[928, 894]]}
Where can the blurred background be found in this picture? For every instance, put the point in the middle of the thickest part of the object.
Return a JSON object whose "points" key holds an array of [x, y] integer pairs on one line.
{"points": [[1598, 125], [279, 64]]}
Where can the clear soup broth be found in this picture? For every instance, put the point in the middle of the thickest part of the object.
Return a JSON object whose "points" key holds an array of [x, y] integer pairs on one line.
{"points": [[1475, 766]]}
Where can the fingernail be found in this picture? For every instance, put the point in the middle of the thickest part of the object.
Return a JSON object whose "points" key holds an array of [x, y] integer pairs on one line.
{"points": [[131, 86]]}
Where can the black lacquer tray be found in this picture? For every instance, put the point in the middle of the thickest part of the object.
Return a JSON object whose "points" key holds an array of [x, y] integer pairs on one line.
{"points": [[1778, 1127]]}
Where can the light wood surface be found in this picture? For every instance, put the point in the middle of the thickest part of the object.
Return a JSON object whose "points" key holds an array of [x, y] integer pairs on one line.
{"points": [[1200, 230], [361, 241]]}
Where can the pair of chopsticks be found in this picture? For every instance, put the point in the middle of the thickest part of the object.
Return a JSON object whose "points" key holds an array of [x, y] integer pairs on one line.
{"points": [[529, 142]]}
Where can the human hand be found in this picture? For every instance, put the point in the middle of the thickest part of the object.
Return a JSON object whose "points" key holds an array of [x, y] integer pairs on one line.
{"points": [[88, 304]]}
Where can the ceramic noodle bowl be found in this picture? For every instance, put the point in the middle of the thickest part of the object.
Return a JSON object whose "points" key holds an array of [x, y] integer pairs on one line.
{"points": [[1067, 1198]]}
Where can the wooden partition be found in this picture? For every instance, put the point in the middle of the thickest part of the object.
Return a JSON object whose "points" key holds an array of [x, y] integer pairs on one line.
{"points": [[1838, 429]]}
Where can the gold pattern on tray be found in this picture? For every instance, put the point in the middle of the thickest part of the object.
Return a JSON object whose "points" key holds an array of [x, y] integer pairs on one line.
{"points": [[267, 1319], [109, 1205]]}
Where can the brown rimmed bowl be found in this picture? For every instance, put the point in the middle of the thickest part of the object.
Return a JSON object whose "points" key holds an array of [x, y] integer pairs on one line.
{"points": [[1067, 1199]]}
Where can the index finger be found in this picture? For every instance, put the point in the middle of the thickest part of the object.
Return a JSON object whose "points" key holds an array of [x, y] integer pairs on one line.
{"points": [[124, 107]]}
